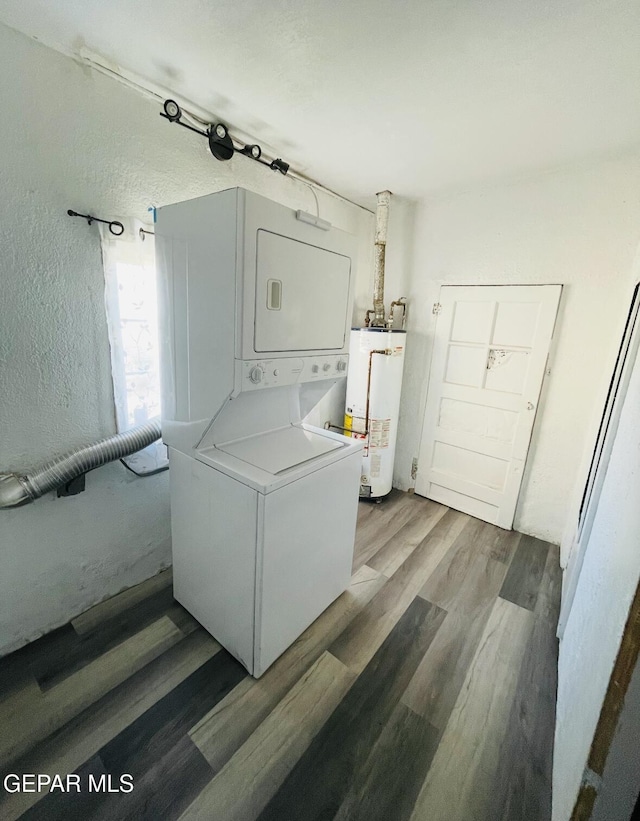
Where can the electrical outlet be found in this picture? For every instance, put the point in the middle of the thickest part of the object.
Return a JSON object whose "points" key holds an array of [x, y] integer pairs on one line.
{"points": [[414, 468]]}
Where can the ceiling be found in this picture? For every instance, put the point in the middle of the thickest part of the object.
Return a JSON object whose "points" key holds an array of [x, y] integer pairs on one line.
{"points": [[414, 95]]}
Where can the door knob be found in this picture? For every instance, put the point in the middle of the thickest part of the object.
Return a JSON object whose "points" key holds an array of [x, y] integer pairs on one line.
{"points": [[530, 406]]}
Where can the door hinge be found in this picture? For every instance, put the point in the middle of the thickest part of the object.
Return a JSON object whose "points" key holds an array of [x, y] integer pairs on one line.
{"points": [[414, 468], [437, 308]]}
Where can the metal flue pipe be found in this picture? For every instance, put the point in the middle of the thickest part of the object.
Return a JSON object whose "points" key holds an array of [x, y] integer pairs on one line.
{"points": [[16, 489], [382, 223]]}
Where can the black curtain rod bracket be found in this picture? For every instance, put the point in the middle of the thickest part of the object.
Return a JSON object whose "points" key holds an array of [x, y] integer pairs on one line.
{"points": [[115, 227]]}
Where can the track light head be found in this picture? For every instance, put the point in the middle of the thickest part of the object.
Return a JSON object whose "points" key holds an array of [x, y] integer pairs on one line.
{"points": [[220, 131], [279, 165], [253, 151], [220, 143], [172, 111]]}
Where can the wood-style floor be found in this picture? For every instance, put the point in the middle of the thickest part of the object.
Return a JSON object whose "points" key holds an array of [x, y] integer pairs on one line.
{"points": [[426, 691]]}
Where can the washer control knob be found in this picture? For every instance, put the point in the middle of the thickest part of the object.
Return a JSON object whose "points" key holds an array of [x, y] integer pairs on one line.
{"points": [[276, 372], [341, 366], [255, 374], [326, 366], [314, 369]]}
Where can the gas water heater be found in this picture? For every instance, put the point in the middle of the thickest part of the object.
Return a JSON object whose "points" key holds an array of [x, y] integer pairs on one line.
{"points": [[374, 379], [374, 382]]}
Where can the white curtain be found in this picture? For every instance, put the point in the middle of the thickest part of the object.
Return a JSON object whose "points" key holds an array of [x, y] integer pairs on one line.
{"points": [[131, 302]]}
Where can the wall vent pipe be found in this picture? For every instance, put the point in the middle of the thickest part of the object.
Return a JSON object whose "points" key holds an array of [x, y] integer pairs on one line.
{"points": [[16, 489], [382, 223]]}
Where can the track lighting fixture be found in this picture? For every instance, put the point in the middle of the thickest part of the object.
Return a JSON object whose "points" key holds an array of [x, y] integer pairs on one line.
{"points": [[221, 144]]}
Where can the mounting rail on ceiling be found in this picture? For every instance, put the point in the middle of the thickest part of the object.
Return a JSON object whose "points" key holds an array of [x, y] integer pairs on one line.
{"points": [[221, 145]]}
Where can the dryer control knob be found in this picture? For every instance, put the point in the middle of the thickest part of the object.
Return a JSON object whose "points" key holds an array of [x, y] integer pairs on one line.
{"points": [[314, 369], [326, 366], [342, 365], [255, 374]]}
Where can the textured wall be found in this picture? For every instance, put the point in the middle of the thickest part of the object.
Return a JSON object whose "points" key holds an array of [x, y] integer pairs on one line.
{"points": [[579, 227], [72, 138]]}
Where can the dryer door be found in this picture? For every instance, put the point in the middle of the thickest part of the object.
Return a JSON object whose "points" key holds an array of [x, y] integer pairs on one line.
{"points": [[302, 296]]}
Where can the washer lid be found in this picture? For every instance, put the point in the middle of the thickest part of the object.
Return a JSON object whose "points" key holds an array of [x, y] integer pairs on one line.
{"points": [[281, 449]]}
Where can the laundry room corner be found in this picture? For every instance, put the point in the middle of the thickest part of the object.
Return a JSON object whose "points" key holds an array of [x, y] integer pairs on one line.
{"points": [[319, 401], [108, 152]]}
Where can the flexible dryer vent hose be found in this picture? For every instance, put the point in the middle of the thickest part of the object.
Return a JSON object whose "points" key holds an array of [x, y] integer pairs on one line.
{"points": [[19, 490]]}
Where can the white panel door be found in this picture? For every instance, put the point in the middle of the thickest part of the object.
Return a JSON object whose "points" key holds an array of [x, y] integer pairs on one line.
{"points": [[302, 296], [489, 357]]}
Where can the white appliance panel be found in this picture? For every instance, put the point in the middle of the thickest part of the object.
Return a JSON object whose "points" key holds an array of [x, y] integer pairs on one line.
{"points": [[213, 529], [280, 450], [196, 258], [309, 530], [302, 296]]}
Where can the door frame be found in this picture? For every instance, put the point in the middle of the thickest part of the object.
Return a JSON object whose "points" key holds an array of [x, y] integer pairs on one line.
{"points": [[585, 505]]}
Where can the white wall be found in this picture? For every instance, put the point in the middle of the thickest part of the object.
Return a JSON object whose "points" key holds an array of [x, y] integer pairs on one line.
{"points": [[580, 227], [607, 583], [72, 138]]}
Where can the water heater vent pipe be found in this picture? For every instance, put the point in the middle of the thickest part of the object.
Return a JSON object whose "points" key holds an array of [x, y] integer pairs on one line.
{"points": [[382, 224]]}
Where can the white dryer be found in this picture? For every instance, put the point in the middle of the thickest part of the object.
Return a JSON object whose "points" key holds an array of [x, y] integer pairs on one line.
{"points": [[256, 304]]}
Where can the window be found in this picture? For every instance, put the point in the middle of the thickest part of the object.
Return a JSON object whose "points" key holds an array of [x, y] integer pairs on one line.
{"points": [[131, 301]]}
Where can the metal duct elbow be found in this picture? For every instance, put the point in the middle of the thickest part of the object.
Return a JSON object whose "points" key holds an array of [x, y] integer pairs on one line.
{"points": [[382, 222], [19, 490], [13, 491]]}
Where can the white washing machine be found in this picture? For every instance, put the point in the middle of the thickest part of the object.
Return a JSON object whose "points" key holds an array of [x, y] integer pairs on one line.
{"points": [[256, 305]]}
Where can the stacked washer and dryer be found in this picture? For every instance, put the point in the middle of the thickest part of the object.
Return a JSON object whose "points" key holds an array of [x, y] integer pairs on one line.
{"points": [[256, 304]]}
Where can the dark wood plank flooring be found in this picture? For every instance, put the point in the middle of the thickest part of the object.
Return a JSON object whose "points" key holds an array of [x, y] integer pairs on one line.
{"points": [[427, 691]]}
